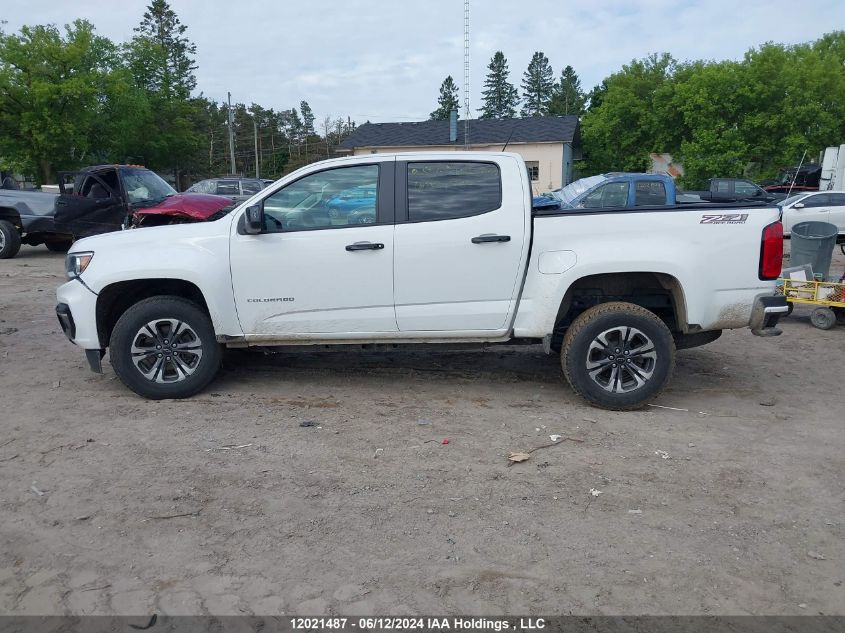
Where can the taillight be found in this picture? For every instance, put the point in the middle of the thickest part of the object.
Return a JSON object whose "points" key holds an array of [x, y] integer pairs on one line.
{"points": [[771, 251]]}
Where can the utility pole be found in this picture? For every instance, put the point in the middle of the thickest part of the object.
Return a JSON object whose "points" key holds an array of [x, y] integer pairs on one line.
{"points": [[231, 134], [255, 132], [466, 74]]}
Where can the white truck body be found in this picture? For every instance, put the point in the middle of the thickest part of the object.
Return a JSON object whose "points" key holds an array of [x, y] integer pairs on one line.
{"points": [[494, 276]]}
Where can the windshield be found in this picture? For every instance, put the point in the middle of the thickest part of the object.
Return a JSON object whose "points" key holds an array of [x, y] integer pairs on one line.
{"points": [[575, 189], [792, 199], [143, 186]]}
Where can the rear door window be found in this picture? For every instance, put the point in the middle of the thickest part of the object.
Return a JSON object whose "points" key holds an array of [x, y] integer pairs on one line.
{"points": [[649, 193], [251, 187], [228, 188], [821, 200], [449, 190]]}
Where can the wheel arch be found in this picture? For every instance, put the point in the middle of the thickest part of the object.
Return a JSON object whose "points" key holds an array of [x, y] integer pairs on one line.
{"points": [[11, 215], [661, 293], [116, 298]]}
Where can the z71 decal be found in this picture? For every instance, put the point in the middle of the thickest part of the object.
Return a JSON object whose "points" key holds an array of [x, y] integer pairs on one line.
{"points": [[724, 218]]}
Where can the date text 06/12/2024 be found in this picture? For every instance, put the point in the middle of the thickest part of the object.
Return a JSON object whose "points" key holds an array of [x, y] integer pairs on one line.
{"points": [[421, 623]]}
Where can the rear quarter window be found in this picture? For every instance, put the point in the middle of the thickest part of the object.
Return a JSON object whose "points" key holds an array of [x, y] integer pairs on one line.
{"points": [[449, 190]]}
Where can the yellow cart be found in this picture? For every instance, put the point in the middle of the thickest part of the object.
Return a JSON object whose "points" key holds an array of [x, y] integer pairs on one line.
{"points": [[827, 295]]}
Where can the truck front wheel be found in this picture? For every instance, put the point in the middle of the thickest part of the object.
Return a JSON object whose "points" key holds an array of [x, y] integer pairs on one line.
{"points": [[165, 347], [618, 355], [10, 240]]}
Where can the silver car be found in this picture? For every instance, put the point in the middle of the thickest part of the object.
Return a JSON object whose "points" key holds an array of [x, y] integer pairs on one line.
{"points": [[238, 189]]}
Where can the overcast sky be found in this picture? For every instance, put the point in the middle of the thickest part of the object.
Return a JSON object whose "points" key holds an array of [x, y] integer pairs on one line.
{"points": [[383, 60]]}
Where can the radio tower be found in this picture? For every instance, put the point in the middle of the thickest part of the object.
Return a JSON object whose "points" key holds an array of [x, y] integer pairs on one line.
{"points": [[466, 74]]}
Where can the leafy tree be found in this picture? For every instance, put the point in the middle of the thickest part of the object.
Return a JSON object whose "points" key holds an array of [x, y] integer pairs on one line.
{"points": [[632, 119], [537, 86], [568, 97], [447, 101], [596, 95], [62, 95], [501, 98]]}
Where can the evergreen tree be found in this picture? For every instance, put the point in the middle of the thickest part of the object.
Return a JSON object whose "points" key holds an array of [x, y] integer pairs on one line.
{"points": [[307, 119], [160, 56], [568, 97], [500, 96], [447, 101], [537, 86]]}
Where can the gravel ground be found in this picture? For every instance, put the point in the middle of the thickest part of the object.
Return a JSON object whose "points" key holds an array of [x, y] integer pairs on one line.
{"points": [[727, 501]]}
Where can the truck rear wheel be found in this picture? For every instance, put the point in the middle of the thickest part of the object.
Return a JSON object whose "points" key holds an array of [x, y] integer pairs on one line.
{"points": [[165, 347], [10, 240], [618, 355]]}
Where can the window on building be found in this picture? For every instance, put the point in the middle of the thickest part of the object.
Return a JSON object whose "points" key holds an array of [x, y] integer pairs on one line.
{"points": [[533, 169]]}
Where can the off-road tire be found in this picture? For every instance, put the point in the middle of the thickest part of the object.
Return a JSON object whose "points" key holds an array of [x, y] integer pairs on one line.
{"points": [[598, 320], [58, 246], [11, 242], [164, 308]]}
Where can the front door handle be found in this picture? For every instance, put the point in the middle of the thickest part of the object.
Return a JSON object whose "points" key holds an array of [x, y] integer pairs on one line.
{"points": [[483, 239], [365, 246]]}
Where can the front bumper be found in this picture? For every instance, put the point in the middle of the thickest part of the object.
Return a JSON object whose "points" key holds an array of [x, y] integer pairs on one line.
{"points": [[766, 313], [77, 314]]}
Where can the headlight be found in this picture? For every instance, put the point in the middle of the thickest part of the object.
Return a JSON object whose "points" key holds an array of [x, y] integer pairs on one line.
{"points": [[76, 263]]}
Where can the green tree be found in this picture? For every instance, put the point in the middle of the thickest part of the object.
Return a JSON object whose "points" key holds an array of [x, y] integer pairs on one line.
{"points": [[62, 96], [447, 101], [633, 118], [537, 86], [307, 119], [568, 97], [501, 98], [160, 56]]}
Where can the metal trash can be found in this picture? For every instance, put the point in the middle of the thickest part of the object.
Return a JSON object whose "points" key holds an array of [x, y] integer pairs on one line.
{"points": [[812, 243]]}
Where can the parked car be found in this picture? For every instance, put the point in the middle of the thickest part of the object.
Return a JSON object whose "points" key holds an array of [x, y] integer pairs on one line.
{"points": [[26, 217], [821, 206], [794, 180], [612, 190], [237, 189], [454, 256], [735, 190]]}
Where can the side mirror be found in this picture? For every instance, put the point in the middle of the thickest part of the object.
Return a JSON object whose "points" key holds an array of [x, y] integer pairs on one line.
{"points": [[254, 219], [798, 205]]}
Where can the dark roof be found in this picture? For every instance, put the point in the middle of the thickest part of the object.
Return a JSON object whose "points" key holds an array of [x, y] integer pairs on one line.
{"points": [[560, 129]]}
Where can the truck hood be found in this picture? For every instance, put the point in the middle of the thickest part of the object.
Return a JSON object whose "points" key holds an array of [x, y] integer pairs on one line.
{"points": [[193, 206], [171, 234]]}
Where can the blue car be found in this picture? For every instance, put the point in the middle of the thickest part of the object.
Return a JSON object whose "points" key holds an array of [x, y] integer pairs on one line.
{"points": [[611, 191], [356, 205]]}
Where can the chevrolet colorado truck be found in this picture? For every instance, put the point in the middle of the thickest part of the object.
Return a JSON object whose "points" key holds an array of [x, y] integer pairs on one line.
{"points": [[450, 251]]}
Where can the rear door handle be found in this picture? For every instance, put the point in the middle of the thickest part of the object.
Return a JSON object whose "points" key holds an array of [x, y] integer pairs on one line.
{"points": [[365, 246], [483, 239]]}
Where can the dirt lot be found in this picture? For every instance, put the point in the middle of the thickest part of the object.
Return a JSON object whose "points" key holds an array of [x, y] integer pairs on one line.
{"points": [[112, 504]]}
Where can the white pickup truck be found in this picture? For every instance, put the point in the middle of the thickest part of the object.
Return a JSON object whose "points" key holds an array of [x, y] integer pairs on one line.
{"points": [[425, 248]]}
